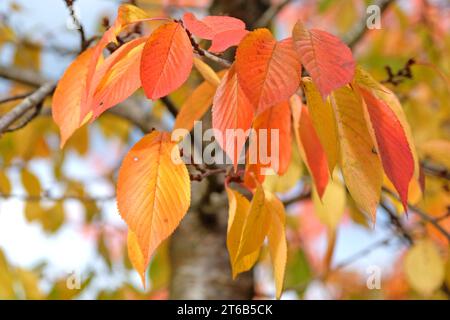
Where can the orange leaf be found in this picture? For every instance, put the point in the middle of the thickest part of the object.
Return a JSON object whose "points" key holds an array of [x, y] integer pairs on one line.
{"points": [[166, 60], [268, 71], [314, 155], [119, 76], [153, 190], [210, 26], [66, 105], [233, 112], [135, 255], [326, 58], [195, 106], [274, 155], [392, 144]]}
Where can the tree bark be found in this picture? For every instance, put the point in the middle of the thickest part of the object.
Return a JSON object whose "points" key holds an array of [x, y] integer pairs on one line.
{"points": [[199, 258]]}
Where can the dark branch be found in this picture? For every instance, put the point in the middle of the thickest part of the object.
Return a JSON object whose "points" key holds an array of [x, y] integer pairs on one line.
{"points": [[83, 42]]}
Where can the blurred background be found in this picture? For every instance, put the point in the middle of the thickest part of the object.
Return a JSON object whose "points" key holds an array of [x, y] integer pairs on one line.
{"points": [[61, 236]]}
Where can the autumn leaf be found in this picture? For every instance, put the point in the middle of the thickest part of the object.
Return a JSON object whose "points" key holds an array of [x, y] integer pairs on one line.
{"points": [[222, 41], [197, 104], [277, 239], [166, 60], [5, 184], [424, 267], [238, 210], [256, 226], [153, 190], [365, 80], [273, 123], [67, 99], [74, 94], [391, 143], [324, 122], [268, 71], [209, 26], [330, 208], [207, 72], [118, 76], [30, 182], [231, 113], [222, 30], [360, 164], [249, 224], [310, 147], [135, 255], [326, 58]]}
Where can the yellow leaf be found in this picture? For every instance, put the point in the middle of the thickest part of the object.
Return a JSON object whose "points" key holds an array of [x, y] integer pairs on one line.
{"points": [[324, 122], [424, 267], [30, 182], [6, 279], [153, 190], [136, 256], [237, 213], [54, 217], [5, 185], [360, 164], [355, 214], [207, 72], [28, 55], [277, 239], [30, 284], [289, 180], [331, 208], [256, 225], [129, 13]]}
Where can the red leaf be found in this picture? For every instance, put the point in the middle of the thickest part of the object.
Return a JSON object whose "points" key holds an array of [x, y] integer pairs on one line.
{"points": [[268, 71], [393, 147], [231, 111], [316, 159], [210, 26], [166, 60], [326, 58]]}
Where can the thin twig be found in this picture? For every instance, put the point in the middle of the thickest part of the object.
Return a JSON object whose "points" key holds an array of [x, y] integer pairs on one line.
{"points": [[396, 222], [16, 97], [434, 170], [83, 43], [424, 216]]}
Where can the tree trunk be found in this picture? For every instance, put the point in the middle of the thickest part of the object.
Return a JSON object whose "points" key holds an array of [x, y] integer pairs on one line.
{"points": [[200, 266]]}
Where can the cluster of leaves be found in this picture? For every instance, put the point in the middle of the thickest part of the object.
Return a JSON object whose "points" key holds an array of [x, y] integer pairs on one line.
{"points": [[349, 120]]}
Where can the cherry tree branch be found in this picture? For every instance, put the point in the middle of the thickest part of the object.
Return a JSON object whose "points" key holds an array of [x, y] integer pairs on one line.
{"points": [[83, 42], [423, 215], [33, 100]]}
